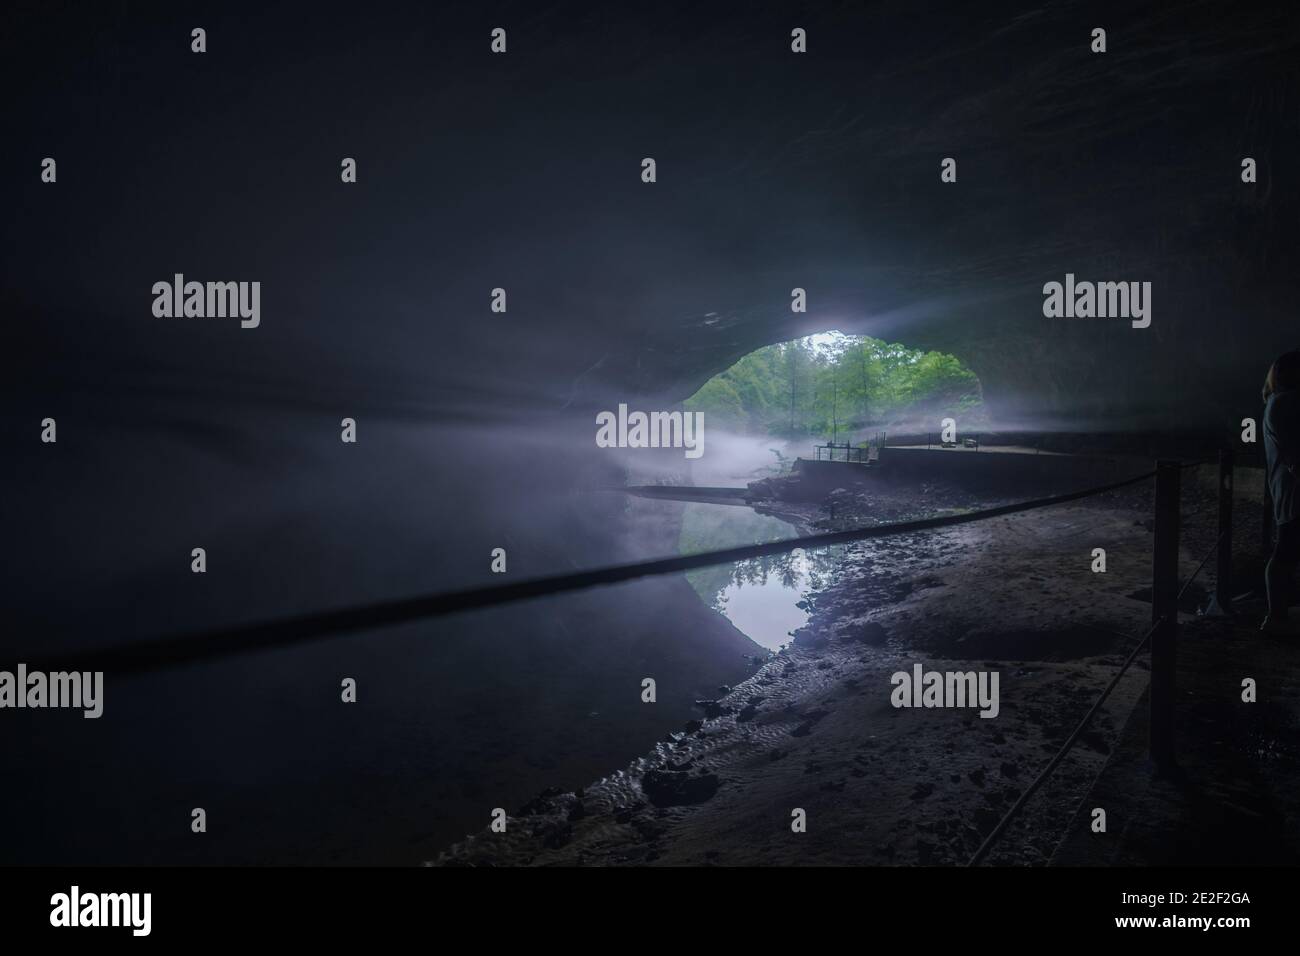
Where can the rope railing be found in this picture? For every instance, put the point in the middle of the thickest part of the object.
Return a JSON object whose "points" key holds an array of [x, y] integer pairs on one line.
{"points": [[147, 655], [1060, 754], [1065, 748]]}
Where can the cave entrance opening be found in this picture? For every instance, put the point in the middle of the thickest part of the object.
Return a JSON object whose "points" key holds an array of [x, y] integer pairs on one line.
{"points": [[781, 401], [777, 404]]}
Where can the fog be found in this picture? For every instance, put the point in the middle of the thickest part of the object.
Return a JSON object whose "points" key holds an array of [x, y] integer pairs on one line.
{"points": [[475, 429], [454, 716]]}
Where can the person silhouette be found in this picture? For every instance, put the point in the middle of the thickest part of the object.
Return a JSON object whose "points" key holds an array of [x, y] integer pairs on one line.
{"points": [[1282, 457]]}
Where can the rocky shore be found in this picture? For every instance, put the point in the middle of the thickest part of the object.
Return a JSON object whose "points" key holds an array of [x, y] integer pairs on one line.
{"points": [[813, 730]]}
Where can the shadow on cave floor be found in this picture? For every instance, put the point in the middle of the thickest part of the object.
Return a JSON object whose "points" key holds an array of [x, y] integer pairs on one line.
{"points": [[1235, 800]]}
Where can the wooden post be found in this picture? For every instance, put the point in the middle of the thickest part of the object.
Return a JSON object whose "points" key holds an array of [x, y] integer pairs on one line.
{"points": [[1164, 614]]}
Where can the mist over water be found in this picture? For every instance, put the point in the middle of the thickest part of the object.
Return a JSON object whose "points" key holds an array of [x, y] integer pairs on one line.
{"points": [[294, 521], [733, 460], [190, 439]]}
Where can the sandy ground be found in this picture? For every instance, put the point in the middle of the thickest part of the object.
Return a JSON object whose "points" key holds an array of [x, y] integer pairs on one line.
{"points": [[814, 729]]}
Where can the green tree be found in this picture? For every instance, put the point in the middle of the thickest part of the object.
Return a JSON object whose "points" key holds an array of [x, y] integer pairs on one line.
{"points": [[855, 382]]}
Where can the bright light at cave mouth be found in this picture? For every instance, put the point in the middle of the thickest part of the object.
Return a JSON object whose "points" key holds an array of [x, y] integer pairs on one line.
{"points": [[831, 386], [834, 339]]}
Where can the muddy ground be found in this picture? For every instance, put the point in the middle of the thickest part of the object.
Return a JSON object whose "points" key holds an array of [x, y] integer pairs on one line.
{"points": [[814, 729]]}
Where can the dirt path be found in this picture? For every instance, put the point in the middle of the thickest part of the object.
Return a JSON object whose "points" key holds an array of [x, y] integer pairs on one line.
{"points": [[814, 729]]}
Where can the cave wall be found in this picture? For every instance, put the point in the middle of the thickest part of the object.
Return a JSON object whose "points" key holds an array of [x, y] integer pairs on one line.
{"points": [[1123, 166], [475, 172], [776, 170]]}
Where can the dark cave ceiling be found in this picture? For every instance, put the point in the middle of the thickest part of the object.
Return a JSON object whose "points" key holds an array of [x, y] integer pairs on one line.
{"points": [[775, 171]]}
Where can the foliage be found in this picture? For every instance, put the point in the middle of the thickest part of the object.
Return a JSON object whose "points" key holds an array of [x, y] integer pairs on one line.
{"points": [[836, 385]]}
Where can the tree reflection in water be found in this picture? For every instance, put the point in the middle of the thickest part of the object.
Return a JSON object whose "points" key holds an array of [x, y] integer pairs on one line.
{"points": [[765, 598]]}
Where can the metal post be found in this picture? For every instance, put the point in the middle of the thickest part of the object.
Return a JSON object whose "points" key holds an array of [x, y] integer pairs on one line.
{"points": [[1164, 614], [1223, 571]]}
